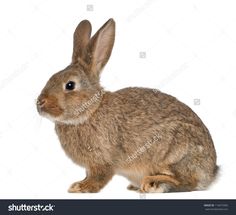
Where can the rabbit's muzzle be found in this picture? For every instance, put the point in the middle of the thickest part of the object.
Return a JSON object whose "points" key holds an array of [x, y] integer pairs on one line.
{"points": [[49, 105]]}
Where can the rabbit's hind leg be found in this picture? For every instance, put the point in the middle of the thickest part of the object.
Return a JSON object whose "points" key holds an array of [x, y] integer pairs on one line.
{"points": [[158, 184]]}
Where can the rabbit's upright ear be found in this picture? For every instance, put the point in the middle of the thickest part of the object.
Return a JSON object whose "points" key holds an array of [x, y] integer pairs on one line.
{"points": [[81, 39], [100, 47]]}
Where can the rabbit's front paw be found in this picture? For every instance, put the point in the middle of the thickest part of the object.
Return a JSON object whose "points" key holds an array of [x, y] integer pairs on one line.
{"points": [[86, 186]]}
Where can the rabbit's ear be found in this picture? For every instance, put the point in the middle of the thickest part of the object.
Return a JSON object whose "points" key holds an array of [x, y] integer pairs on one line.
{"points": [[100, 47], [81, 38]]}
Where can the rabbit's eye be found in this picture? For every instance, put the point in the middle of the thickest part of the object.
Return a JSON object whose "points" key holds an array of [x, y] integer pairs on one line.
{"points": [[70, 85]]}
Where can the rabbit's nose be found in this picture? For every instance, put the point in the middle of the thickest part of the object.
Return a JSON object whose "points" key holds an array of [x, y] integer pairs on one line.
{"points": [[41, 102]]}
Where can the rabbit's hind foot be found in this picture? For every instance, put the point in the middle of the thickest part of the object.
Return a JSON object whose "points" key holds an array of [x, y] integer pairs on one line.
{"points": [[158, 184]]}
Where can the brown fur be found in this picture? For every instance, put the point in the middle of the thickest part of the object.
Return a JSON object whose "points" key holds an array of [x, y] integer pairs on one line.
{"points": [[150, 137]]}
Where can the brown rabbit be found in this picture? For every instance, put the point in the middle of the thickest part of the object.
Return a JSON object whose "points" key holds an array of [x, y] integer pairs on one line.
{"points": [[151, 138]]}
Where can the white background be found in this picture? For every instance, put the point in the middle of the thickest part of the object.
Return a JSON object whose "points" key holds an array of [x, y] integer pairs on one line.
{"points": [[190, 48]]}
